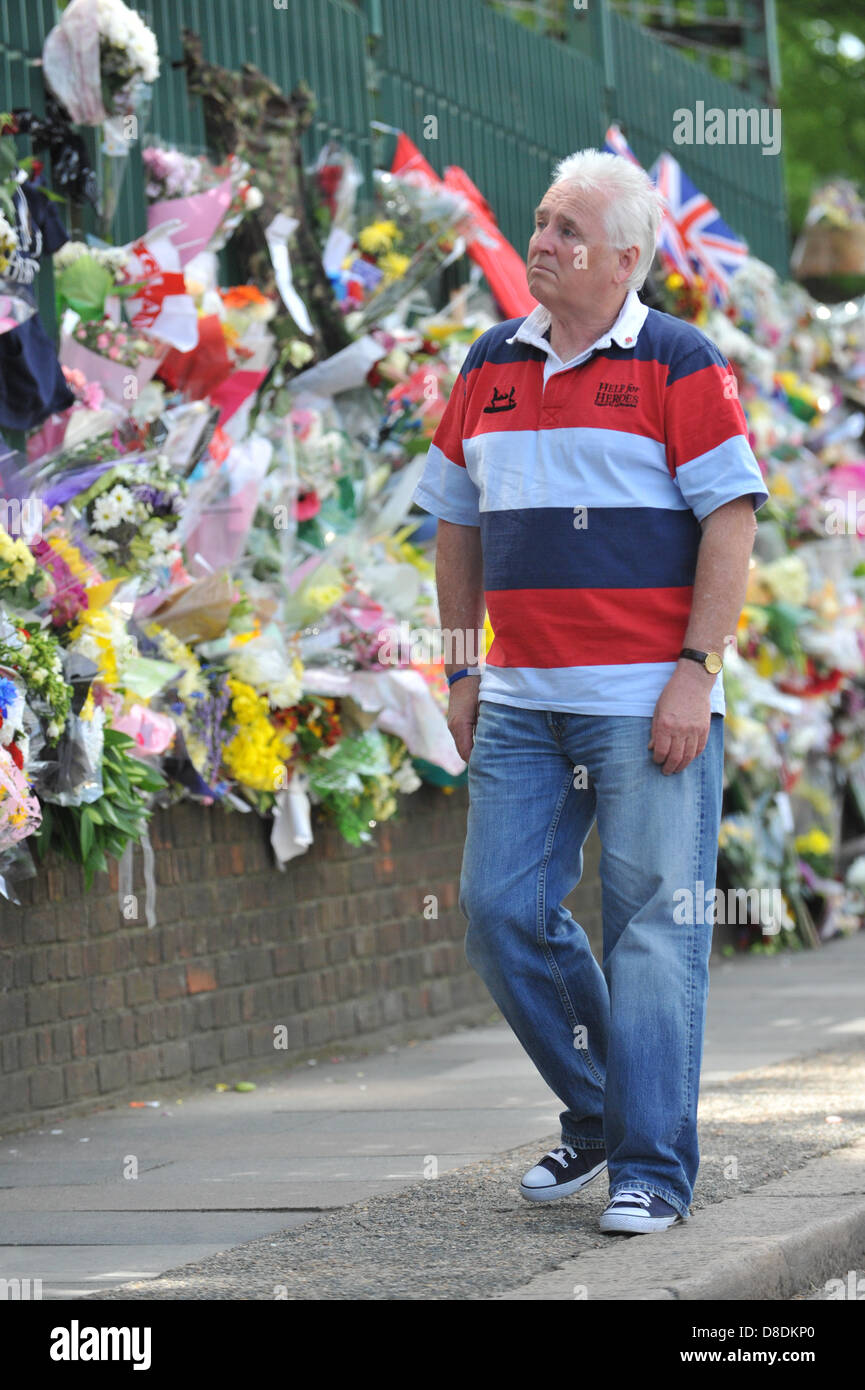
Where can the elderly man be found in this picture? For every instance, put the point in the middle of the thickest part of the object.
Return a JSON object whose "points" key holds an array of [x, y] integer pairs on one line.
{"points": [[596, 493]]}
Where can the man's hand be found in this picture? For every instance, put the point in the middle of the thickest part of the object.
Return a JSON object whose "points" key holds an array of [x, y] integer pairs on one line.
{"points": [[463, 714], [682, 719]]}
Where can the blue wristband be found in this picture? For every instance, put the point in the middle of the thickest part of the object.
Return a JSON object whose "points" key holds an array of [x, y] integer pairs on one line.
{"points": [[466, 671]]}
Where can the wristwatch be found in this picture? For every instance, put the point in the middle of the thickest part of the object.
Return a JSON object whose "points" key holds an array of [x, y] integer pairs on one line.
{"points": [[711, 660]]}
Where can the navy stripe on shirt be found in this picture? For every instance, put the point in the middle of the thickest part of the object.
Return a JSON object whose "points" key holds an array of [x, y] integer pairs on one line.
{"points": [[617, 548]]}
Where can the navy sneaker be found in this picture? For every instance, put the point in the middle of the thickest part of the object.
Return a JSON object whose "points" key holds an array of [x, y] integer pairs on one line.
{"points": [[636, 1213], [562, 1171]]}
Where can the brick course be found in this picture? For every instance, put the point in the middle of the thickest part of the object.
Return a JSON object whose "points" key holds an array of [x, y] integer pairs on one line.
{"points": [[95, 1005]]}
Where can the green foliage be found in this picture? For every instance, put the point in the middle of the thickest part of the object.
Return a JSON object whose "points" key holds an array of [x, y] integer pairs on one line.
{"points": [[89, 834], [822, 78]]}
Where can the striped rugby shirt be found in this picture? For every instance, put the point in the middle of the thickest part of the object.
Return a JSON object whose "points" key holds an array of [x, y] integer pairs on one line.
{"points": [[589, 480]]}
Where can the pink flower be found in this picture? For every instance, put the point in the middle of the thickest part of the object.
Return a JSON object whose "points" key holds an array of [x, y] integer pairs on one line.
{"points": [[302, 422], [120, 339], [114, 353], [93, 395], [102, 341], [75, 377]]}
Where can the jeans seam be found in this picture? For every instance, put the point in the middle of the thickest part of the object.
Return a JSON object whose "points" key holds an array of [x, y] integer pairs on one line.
{"points": [[561, 988], [699, 841]]}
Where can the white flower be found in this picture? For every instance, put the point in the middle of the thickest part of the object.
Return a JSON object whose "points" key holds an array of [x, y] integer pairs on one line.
{"points": [[405, 779], [299, 352], [69, 253], [125, 504], [122, 28], [855, 876], [160, 539], [105, 513], [253, 199]]}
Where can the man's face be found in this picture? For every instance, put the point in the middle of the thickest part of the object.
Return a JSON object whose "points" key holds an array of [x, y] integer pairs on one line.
{"points": [[570, 265]]}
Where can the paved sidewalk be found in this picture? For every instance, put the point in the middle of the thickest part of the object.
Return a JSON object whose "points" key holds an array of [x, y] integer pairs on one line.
{"points": [[328, 1174]]}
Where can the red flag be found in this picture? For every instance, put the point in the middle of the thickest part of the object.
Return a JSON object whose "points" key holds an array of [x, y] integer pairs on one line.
{"points": [[408, 160], [503, 267]]}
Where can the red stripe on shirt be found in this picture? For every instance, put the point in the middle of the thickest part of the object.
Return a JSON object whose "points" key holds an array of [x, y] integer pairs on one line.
{"points": [[586, 627], [699, 416], [602, 394]]}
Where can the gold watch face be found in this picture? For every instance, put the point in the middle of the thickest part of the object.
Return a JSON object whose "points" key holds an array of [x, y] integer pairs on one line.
{"points": [[713, 663]]}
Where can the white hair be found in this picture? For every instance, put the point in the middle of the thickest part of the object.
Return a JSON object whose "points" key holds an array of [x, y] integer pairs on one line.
{"points": [[631, 209]]}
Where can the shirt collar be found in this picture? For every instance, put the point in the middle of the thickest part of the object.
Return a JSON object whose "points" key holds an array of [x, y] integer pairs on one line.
{"points": [[624, 331]]}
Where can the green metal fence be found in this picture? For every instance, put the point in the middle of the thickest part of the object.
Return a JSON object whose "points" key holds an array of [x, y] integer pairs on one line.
{"points": [[745, 185], [508, 103]]}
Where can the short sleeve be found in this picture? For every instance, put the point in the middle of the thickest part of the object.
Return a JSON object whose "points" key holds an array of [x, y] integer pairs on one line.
{"points": [[706, 433], [445, 488]]}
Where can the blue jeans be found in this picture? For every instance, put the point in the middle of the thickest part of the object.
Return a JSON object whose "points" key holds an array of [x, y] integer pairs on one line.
{"points": [[621, 1046]]}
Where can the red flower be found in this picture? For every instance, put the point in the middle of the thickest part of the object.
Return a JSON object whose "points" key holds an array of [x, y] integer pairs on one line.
{"points": [[307, 505], [17, 756]]}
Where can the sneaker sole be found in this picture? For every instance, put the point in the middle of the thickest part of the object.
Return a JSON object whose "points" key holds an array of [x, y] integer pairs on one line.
{"points": [[638, 1225], [552, 1194]]}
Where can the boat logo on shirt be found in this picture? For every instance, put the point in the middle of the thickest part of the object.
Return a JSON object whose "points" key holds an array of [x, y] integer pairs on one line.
{"points": [[501, 401], [617, 393]]}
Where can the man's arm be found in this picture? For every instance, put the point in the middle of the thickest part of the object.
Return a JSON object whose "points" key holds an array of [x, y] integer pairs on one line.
{"points": [[681, 722], [459, 581]]}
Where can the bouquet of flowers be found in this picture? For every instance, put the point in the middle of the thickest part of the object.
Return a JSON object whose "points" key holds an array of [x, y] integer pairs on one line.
{"points": [[128, 55], [130, 514], [84, 276], [22, 583], [99, 58], [115, 341], [172, 174], [68, 573], [174, 181], [20, 812], [33, 653]]}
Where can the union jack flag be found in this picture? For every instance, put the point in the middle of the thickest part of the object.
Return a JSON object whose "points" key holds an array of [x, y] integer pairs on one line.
{"points": [[670, 244], [615, 143], [693, 235]]}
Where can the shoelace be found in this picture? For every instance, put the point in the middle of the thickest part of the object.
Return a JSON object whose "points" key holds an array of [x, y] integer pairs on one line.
{"points": [[557, 1154], [633, 1195]]}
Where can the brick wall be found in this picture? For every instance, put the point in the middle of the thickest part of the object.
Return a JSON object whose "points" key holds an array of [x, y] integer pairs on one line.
{"points": [[337, 949]]}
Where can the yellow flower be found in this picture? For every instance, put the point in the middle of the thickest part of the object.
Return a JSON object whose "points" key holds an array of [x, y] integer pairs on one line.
{"points": [[71, 555], [675, 281], [394, 265], [780, 486], [323, 596], [816, 842], [378, 236], [257, 752]]}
